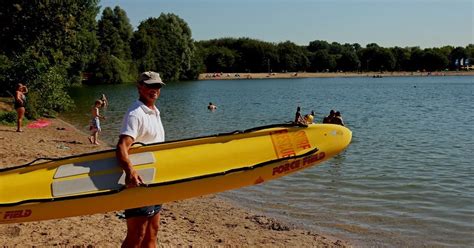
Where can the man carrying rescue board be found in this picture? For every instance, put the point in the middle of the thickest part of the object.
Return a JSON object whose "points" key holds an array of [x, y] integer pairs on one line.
{"points": [[141, 123]]}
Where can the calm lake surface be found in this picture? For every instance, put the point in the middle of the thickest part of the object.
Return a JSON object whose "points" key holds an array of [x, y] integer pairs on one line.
{"points": [[407, 179]]}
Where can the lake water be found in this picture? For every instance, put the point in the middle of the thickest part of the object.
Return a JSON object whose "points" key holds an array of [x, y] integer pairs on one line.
{"points": [[407, 179]]}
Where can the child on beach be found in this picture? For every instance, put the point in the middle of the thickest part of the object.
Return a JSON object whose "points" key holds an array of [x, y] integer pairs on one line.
{"points": [[95, 122]]}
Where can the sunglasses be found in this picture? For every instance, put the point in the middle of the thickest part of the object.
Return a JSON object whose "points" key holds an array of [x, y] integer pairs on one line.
{"points": [[153, 86]]}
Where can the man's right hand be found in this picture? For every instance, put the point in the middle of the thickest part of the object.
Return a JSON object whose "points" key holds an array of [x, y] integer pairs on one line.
{"points": [[133, 179]]}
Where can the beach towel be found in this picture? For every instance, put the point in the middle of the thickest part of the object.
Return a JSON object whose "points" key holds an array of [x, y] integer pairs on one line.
{"points": [[39, 124]]}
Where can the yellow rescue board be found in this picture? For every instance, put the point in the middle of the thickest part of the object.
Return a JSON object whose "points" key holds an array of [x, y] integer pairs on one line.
{"points": [[94, 183]]}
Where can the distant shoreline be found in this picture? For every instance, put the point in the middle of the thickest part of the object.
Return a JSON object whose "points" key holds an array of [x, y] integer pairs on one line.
{"points": [[238, 75]]}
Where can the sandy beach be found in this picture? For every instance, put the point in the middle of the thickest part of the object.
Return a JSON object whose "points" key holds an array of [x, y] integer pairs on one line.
{"points": [[203, 222], [238, 75]]}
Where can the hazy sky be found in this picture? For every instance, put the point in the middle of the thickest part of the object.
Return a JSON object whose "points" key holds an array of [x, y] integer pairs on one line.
{"points": [[424, 23]]}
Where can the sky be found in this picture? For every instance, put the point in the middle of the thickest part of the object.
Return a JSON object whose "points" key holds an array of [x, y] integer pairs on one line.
{"points": [[389, 23]]}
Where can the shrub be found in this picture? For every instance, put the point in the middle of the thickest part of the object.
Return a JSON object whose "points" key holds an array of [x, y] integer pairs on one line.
{"points": [[8, 117], [48, 94]]}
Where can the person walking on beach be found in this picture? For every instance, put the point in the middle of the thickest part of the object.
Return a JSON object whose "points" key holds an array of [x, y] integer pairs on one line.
{"points": [[95, 122], [141, 123], [20, 104]]}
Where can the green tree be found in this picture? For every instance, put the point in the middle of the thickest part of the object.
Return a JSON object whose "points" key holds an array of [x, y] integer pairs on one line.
{"points": [[42, 38], [470, 53], [402, 58], [114, 61], [114, 33], [50, 95], [5, 67], [260, 56], [416, 59], [375, 58], [220, 59], [197, 64], [348, 61], [322, 61], [336, 48], [446, 50], [356, 47], [470, 50], [164, 44], [434, 60], [318, 45], [250, 55], [292, 57]]}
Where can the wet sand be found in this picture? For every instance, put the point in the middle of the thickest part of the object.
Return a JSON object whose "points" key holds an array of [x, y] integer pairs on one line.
{"points": [[203, 222]]}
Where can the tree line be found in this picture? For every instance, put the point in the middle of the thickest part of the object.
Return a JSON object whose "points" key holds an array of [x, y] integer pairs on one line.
{"points": [[52, 45], [248, 55]]}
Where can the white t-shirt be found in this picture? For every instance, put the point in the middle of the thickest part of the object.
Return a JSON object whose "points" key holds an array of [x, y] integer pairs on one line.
{"points": [[143, 124]]}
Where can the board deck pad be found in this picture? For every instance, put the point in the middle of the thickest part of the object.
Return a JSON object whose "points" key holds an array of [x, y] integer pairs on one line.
{"points": [[101, 165], [111, 181]]}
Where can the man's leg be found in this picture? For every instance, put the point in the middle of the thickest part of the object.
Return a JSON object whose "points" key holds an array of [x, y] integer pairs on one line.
{"points": [[136, 229], [151, 232]]}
